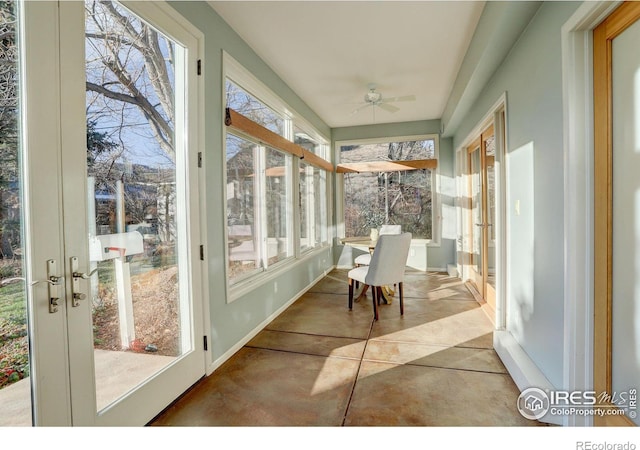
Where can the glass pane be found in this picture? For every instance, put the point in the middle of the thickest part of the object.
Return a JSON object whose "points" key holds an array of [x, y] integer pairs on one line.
{"points": [[278, 206], [241, 207], [246, 104], [320, 204], [140, 299], [307, 207], [625, 251], [393, 151], [305, 141], [490, 151], [476, 211], [402, 198], [15, 388]]}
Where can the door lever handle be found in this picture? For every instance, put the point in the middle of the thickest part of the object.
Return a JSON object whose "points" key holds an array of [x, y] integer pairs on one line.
{"points": [[84, 276], [53, 280], [75, 285]]}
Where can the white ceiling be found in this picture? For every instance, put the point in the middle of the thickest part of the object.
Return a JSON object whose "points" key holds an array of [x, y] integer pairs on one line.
{"points": [[329, 51]]}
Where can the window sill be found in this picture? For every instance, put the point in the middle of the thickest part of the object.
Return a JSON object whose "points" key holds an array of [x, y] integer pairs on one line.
{"points": [[254, 282]]}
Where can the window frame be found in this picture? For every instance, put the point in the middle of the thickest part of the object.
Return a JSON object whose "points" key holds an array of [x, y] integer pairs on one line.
{"points": [[436, 210], [239, 75], [260, 232]]}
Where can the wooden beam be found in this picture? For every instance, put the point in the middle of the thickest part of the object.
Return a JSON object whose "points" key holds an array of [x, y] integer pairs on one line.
{"points": [[387, 166], [237, 121]]}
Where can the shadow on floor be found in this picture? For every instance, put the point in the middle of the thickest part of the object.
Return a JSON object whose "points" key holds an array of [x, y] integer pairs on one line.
{"points": [[319, 364]]}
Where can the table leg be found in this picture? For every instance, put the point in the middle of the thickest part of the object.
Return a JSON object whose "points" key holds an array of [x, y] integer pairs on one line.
{"points": [[387, 294], [363, 293]]}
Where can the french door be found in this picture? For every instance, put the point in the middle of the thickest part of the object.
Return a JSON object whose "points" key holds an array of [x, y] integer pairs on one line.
{"points": [[105, 192], [482, 192], [616, 357]]}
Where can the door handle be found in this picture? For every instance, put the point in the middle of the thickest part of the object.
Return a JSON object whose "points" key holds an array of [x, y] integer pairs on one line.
{"points": [[84, 276], [75, 284], [53, 282]]}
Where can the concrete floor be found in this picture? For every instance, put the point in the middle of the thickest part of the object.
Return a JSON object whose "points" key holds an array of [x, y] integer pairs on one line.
{"points": [[319, 364]]}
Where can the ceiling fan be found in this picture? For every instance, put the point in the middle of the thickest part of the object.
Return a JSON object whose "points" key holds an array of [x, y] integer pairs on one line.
{"points": [[374, 98]]}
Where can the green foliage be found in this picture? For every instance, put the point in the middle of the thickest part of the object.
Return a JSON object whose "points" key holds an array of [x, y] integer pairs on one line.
{"points": [[14, 351], [97, 143]]}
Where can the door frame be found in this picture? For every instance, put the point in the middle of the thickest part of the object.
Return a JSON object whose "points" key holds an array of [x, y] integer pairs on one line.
{"points": [[578, 168], [578, 126], [614, 25]]}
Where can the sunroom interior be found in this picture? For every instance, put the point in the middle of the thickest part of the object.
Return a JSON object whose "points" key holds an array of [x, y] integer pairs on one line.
{"points": [[259, 173]]}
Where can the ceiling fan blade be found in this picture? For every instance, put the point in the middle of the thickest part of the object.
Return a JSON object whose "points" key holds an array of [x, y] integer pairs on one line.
{"points": [[406, 98], [388, 107], [359, 108]]}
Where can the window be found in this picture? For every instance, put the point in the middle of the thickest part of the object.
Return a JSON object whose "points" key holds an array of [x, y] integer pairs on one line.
{"points": [[313, 206], [246, 104], [405, 197], [266, 225], [278, 205], [303, 139], [259, 207], [241, 208]]}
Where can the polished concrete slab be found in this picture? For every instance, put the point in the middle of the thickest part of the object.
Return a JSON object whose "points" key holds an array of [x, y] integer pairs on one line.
{"points": [[319, 364]]}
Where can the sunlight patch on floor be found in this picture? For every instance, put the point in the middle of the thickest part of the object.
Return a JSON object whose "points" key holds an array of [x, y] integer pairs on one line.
{"points": [[460, 325]]}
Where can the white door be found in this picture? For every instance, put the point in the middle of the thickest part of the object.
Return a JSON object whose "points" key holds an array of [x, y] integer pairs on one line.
{"points": [[111, 175]]}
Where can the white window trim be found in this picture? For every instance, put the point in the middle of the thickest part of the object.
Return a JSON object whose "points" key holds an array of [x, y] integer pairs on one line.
{"points": [[234, 71], [436, 211], [246, 80], [261, 228]]}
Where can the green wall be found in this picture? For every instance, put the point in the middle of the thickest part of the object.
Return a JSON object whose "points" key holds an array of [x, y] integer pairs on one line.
{"points": [[531, 76], [232, 322]]}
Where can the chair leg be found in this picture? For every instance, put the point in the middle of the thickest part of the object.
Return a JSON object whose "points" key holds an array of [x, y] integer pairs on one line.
{"points": [[350, 294], [401, 298], [357, 284], [375, 302]]}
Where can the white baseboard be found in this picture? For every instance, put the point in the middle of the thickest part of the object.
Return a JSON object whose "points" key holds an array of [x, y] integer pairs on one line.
{"points": [[233, 350], [521, 367]]}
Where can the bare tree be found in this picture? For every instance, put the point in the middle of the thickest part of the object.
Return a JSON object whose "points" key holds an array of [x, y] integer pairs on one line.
{"points": [[401, 197], [116, 44], [10, 209]]}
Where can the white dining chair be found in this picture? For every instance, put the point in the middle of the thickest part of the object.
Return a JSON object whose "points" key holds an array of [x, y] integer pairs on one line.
{"points": [[364, 260], [387, 267]]}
